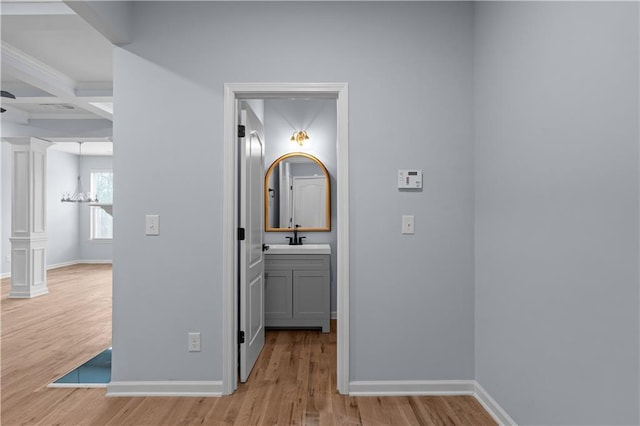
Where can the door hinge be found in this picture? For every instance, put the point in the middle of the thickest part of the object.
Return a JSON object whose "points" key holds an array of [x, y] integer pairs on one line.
{"points": [[240, 337], [241, 131], [240, 234]]}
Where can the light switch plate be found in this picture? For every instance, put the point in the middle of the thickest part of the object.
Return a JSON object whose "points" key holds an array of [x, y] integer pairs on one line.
{"points": [[152, 224], [194, 342], [407, 224]]}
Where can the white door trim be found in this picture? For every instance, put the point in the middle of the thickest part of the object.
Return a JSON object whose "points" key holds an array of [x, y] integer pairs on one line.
{"points": [[233, 92]]}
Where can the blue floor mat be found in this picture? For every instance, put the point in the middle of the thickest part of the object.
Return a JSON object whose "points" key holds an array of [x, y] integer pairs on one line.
{"points": [[96, 370]]}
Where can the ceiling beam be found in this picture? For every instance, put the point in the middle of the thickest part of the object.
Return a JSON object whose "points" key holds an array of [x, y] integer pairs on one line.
{"points": [[63, 129], [40, 75], [63, 116], [52, 100], [95, 89]]}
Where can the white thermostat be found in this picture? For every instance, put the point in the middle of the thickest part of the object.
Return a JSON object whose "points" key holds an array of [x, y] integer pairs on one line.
{"points": [[409, 179]]}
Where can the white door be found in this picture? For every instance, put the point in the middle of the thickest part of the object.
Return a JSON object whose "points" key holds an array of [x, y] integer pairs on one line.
{"points": [[251, 291], [309, 201]]}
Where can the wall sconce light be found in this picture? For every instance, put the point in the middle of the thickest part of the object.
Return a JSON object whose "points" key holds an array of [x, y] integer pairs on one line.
{"points": [[299, 137]]}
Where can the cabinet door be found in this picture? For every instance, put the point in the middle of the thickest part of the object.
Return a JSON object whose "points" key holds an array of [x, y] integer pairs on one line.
{"points": [[278, 295], [311, 294]]}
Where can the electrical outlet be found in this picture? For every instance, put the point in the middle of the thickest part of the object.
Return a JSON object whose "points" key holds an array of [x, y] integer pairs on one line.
{"points": [[7, 258], [194, 342]]}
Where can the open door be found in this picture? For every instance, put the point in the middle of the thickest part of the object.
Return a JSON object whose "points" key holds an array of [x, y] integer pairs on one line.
{"points": [[251, 282]]}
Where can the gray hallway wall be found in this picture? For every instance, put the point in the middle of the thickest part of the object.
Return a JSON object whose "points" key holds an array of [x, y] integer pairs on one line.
{"points": [[548, 91], [556, 158], [409, 69]]}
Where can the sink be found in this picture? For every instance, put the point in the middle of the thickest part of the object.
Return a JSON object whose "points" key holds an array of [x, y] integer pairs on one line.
{"points": [[303, 249]]}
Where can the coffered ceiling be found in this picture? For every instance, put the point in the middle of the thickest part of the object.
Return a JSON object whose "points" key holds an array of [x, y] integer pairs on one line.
{"points": [[59, 68]]}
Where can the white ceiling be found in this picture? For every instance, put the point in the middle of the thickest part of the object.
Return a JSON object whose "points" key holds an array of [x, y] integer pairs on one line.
{"points": [[64, 42], [57, 66]]}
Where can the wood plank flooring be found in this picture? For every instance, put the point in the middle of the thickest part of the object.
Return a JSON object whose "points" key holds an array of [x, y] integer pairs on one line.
{"points": [[293, 382]]}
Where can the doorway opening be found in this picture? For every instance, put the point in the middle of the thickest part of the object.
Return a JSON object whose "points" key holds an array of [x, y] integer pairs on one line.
{"points": [[234, 94]]}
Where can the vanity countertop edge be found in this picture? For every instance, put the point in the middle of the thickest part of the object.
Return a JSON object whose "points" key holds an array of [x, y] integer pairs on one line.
{"points": [[298, 249]]}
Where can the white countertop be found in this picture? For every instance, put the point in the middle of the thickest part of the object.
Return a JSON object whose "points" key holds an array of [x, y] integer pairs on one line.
{"points": [[301, 249]]}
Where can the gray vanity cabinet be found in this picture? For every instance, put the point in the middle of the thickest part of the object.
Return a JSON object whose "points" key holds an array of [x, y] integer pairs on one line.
{"points": [[278, 301], [297, 291]]}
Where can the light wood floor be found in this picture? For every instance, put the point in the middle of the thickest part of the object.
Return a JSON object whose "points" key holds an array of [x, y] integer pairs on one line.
{"points": [[293, 381]]}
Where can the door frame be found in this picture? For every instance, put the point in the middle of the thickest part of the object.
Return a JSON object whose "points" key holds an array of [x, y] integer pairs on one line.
{"points": [[233, 92]]}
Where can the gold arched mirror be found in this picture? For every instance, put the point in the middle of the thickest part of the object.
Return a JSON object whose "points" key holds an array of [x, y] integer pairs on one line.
{"points": [[297, 193]]}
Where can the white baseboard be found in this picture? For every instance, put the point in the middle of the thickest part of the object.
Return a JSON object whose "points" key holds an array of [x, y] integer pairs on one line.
{"points": [[432, 387], [78, 262], [63, 264], [358, 388], [411, 387], [78, 385], [492, 407], [168, 388], [91, 262]]}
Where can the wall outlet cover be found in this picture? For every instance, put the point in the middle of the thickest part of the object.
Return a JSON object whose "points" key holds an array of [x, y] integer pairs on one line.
{"points": [[407, 224]]}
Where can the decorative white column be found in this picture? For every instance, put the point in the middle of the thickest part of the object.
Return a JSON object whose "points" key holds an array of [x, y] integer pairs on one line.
{"points": [[28, 217]]}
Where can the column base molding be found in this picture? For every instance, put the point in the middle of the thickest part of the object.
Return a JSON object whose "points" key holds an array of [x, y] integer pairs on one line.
{"points": [[28, 293], [28, 267]]}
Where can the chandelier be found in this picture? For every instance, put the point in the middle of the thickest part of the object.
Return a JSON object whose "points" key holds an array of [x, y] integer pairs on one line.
{"points": [[79, 195]]}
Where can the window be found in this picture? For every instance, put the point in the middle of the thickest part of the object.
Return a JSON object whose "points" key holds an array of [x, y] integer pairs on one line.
{"points": [[101, 221]]}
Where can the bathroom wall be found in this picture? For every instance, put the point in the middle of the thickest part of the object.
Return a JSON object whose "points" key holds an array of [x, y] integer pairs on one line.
{"points": [[409, 69], [556, 159], [319, 118]]}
